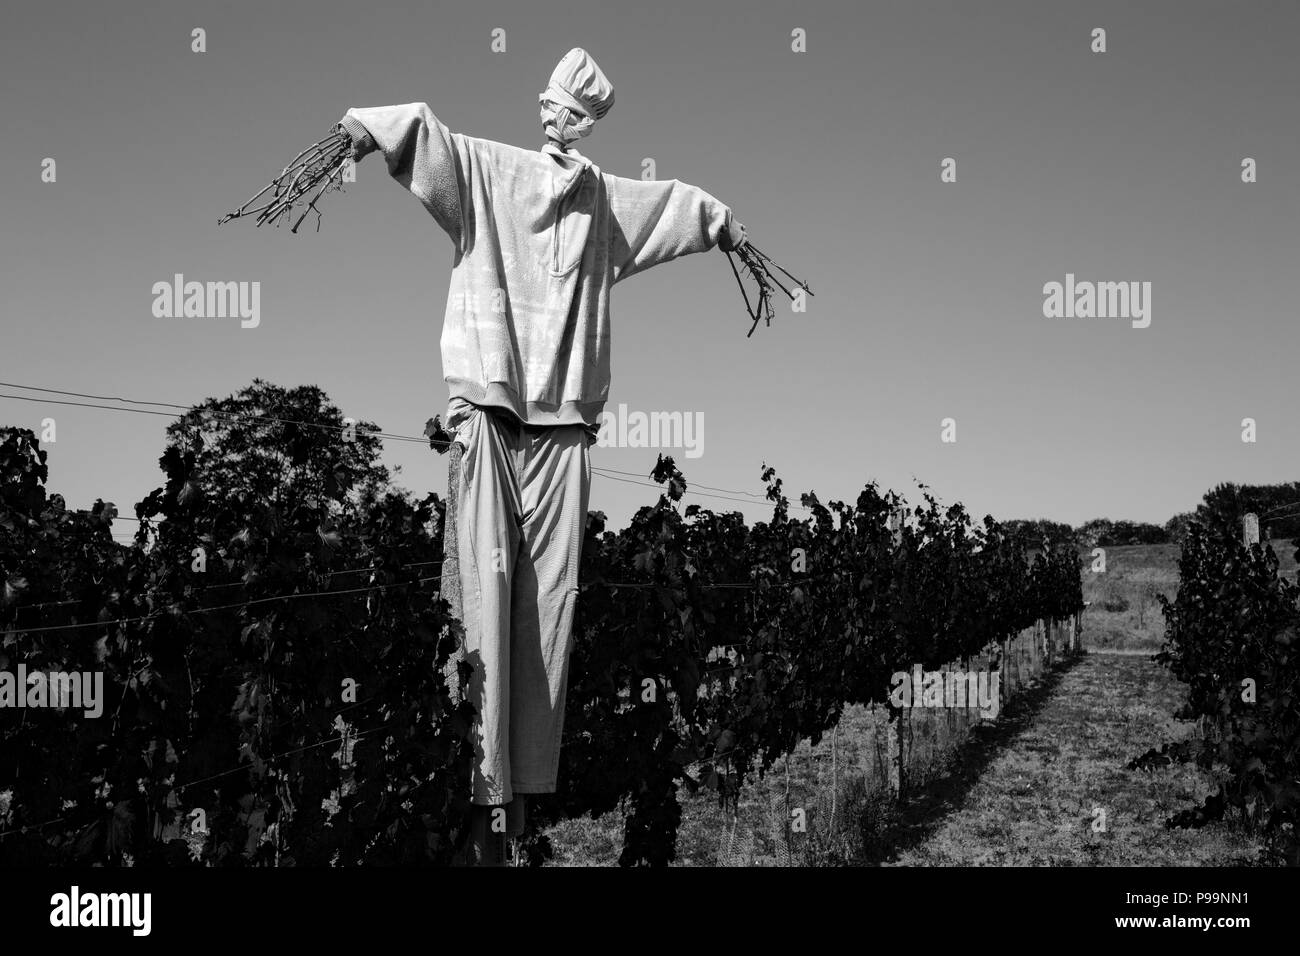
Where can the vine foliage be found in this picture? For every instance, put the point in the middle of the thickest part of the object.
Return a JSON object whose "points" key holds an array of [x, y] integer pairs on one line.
{"points": [[278, 663]]}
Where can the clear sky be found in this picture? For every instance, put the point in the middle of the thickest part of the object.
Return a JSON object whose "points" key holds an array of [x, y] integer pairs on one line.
{"points": [[1122, 166]]}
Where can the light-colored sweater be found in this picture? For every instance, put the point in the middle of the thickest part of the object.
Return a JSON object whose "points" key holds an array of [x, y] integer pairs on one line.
{"points": [[540, 237]]}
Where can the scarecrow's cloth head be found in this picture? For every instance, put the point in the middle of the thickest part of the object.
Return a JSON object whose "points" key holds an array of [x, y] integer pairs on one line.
{"points": [[578, 94]]}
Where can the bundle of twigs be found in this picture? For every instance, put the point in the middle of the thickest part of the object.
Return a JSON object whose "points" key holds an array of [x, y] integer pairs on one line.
{"points": [[758, 267], [317, 169]]}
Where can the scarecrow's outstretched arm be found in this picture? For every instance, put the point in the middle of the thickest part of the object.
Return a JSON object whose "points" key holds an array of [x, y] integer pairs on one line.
{"points": [[421, 154], [657, 221]]}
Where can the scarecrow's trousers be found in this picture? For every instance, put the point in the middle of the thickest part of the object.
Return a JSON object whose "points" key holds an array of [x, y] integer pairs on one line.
{"points": [[521, 509]]}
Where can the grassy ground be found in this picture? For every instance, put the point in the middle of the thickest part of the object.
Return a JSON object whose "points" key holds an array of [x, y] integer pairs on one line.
{"points": [[1022, 791], [1038, 794], [1124, 611]]}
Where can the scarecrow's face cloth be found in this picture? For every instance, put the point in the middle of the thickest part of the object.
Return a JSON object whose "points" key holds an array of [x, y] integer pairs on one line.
{"points": [[578, 94]]}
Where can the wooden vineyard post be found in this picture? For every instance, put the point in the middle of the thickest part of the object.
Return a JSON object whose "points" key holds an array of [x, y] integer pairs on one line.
{"points": [[1250, 529], [835, 773], [963, 719], [906, 744], [1013, 664], [949, 722], [1004, 685], [1018, 646], [899, 716], [1004, 677], [896, 721], [890, 751], [1033, 651]]}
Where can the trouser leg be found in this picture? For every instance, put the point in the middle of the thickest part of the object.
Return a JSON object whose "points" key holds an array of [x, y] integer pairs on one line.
{"points": [[488, 537], [554, 471]]}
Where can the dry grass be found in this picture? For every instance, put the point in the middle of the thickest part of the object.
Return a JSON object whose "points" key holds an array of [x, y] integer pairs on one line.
{"points": [[1125, 613], [1037, 800]]}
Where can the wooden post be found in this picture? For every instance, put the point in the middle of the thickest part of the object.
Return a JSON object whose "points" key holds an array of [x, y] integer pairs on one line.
{"points": [[1033, 649], [1004, 675], [899, 715], [1250, 529], [893, 750], [835, 772], [1014, 662], [962, 720]]}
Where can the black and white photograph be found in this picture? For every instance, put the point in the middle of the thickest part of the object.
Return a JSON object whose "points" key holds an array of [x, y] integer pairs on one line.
{"points": [[447, 443]]}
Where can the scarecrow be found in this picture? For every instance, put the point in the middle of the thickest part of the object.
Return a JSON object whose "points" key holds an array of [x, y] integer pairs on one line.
{"points": [[540, 237]]}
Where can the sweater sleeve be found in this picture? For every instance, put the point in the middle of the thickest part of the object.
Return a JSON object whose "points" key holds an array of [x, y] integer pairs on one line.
{"points": [[656, 221], [421, 155]]}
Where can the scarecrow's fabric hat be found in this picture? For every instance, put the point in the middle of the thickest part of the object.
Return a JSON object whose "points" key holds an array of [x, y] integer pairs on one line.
{"points": [[578, 94], [578, 75]]}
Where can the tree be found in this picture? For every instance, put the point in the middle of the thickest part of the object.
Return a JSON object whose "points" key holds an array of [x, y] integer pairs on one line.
{"points": [[278, 446], [1176, 527], [273, 651]]}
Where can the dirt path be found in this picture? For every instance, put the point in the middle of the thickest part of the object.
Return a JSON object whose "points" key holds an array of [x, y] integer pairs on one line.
{"points": [[1031, 791]]}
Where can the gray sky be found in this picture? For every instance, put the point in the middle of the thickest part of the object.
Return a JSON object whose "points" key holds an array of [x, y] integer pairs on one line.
{"points": [[929, 304]]}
